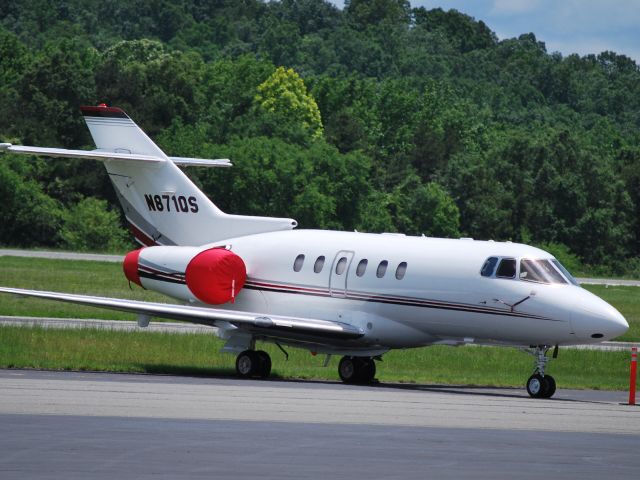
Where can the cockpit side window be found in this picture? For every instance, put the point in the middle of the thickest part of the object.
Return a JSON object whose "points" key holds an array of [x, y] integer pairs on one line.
{"points": [[489, 266], [507, 268], [565, 272], [540, 271]]}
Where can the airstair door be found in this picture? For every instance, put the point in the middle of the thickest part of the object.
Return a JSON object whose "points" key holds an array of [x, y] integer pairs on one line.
{"points": [[339, 273]]}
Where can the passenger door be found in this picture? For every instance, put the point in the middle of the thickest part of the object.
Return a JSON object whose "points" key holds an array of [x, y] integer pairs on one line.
{"points": [[339, 272]]}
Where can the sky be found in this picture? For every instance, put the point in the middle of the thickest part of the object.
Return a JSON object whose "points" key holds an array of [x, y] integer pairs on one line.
{"points": [[565, 26]]}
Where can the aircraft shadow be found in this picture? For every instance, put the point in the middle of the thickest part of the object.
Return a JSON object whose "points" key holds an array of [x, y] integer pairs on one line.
{"points": [[463, 390]]}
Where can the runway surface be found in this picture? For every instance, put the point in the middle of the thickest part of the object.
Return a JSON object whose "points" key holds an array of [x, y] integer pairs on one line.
{"points": [[91, 425]]}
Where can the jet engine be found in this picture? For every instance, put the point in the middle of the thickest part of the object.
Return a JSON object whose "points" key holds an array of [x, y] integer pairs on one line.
{"points": [[211, 275]]}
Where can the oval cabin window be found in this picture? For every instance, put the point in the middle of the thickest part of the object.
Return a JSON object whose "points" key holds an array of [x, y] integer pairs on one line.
{"points": [[382, 269], [297, 264], [362, 267], [401, 270], [317, 267], [341, 266]]}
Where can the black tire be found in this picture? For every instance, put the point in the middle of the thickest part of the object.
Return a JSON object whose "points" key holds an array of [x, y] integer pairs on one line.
{"points": [[247, 364], [367, 371], [358, 370], [537, 386], [550, 386], [348, 369], [264, 364]]}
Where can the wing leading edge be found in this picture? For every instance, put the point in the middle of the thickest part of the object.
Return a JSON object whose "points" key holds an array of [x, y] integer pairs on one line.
{"points": [[204, 315]]}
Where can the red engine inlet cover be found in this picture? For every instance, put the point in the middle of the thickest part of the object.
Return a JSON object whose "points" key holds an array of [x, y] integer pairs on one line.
{"points": [[215, 276], [130, 266]]}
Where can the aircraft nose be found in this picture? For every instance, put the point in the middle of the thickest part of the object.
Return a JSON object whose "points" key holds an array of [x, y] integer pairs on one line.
{"points": [[594, 320], [618, 323]]}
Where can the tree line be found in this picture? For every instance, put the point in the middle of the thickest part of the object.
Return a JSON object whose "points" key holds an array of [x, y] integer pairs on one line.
{"points": [[377, 117]]}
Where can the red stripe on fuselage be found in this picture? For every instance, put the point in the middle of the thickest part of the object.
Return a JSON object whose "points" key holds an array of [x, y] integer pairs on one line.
{"points": [[141, 237]]}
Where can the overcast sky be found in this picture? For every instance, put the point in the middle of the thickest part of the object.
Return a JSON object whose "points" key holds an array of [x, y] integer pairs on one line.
{"points": [[566, 26]]}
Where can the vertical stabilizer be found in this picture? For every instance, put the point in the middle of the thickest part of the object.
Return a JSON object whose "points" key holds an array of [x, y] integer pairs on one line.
{"points": [[161, 204]]}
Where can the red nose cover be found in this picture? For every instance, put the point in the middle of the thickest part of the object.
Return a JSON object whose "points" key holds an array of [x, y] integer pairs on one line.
{"points": [[215, 276], [130, 266]]}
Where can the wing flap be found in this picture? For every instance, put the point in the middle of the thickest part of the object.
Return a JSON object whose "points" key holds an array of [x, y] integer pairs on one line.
{"points": [[202, 315]]}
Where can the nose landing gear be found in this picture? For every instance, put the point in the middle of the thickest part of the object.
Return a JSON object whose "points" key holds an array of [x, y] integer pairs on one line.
{"points": [[540, 385]]}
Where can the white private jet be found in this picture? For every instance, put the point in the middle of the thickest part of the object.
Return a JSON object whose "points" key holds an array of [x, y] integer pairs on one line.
{"points": [[352, 294]]}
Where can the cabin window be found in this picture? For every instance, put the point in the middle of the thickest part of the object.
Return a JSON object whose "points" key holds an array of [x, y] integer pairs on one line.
{"points": [[401, 270], [341, 266], [362, 267], [539, 271], [382, 269], [317, 267], [507, 268], [489, 266], [297, 264]]}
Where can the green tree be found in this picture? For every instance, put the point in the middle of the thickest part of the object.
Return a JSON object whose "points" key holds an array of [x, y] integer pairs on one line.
{"points": [[284, 103], [28, 216], [152, 84], [13, 60], [366, 12], [91, 226], [55, 84]]}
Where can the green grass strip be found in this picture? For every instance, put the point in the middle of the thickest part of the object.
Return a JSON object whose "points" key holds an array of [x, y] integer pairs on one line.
{"points": [[198, 354], [70, 276]]}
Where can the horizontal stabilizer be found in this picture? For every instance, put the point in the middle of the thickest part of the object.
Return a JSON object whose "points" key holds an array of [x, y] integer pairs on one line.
{"points": [[277, 324], [106, 155], [201, 162], [88, 154]]}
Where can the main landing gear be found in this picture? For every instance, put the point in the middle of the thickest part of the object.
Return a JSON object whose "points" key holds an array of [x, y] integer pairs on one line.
{"points": [[257, 364], [253, 364], [360, 370], [540, 385]]}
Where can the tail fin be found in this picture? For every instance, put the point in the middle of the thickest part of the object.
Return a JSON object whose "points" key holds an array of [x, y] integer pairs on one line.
{"points": [[161, 204]]}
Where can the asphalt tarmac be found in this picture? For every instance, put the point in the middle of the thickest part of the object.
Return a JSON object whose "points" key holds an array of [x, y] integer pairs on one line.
{"points": [[94, 425]]}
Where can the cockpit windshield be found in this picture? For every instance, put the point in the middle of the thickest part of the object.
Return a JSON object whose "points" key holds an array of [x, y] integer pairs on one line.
{"points": [[549, 271], [540, 271]]}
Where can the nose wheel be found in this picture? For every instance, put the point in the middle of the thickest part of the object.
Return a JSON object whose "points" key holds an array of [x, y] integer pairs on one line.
{"points": [[540, 385]]}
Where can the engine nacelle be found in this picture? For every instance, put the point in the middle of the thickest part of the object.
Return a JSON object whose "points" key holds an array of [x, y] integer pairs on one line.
{"points": [[212, 275]]}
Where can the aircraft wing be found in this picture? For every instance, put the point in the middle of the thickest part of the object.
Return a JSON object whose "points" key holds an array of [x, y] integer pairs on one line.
{"points": [[203, 315]]}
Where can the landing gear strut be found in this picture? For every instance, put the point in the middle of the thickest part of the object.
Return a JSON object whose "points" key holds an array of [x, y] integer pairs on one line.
{"points": [[540, 385], [253, 364], [360, 370]]}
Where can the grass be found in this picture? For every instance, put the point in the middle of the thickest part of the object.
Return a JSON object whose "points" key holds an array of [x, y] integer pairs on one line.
{"points": [[71, 276], [197, 354]]}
